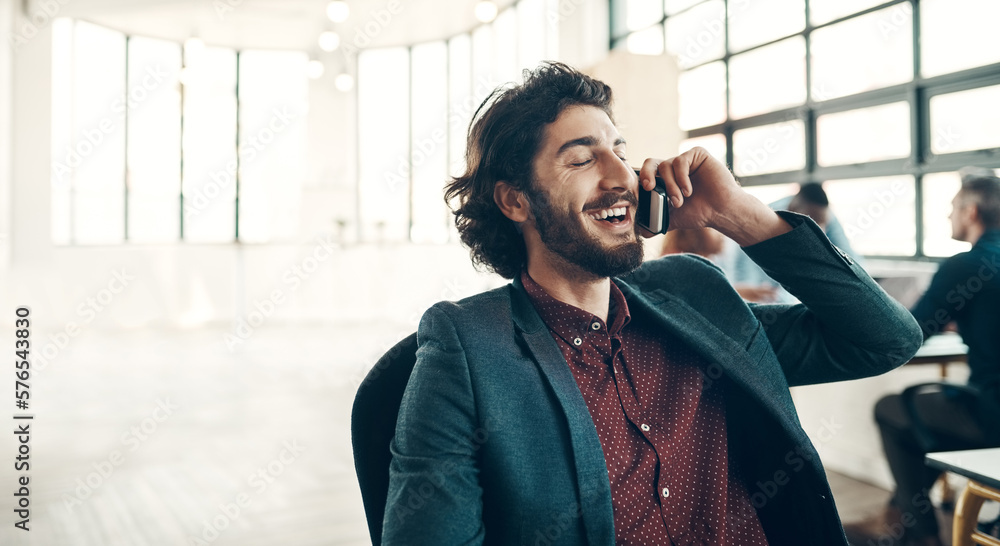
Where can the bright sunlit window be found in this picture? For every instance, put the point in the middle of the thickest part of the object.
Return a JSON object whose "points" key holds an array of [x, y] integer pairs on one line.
{"points": [[154, 141], [414, 108], [833, 91]]}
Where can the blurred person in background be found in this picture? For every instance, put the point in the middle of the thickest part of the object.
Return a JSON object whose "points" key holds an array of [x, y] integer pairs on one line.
{"points": [[812, 201], [709, 243], [965, 290]]}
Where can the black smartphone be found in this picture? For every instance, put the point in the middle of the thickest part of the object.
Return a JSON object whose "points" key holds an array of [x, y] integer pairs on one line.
{"points": [[653, 213]]}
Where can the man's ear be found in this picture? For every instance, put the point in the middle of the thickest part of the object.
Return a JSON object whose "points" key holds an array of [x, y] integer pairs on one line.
{"points": [[512, 202]]}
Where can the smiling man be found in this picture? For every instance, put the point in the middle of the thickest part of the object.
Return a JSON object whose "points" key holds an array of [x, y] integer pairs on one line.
{"points": [[601, 400]]}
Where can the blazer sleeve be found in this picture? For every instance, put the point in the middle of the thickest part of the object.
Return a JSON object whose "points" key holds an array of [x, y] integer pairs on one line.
{"points": [[434, 493], [846, 327]]}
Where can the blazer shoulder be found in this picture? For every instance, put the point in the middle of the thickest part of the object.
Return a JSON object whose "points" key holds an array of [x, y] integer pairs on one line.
{"points": [[678, 273]]}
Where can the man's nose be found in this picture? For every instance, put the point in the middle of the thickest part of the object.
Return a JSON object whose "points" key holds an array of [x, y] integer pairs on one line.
{"points": [[618, 175]]}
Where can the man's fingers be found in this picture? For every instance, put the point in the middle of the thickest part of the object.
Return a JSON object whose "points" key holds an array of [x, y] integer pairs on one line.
{"points": [[682, 173], [666, 172], [647, 173]]}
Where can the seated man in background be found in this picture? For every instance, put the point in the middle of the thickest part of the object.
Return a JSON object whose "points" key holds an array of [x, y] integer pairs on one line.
{"points": [[749, 279], [966, 290], [710, 244], [653, 408]]}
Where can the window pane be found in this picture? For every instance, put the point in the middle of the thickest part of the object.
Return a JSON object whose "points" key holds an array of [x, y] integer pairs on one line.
{"points": [[714, 144], [96, 153], [531, 32], [957, 34], [61, 177], [429, 152], [460, 94], [483, 73], [274, 91], [642, 13], [863, 135], [154, 140], [383, 111], [646, 42], [878, 214], [505, 50], [209, 144], [867, 52], [822, 11], [768, 79], [702, 96], [769, 148], [967, 120], [939, 190], [697, 35], [760, 21]]}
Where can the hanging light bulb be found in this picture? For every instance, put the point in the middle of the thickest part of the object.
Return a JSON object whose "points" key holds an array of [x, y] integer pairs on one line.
{"points": [[338, 11], [315, 69], [486, 11], [329, 41], [344, 82]]}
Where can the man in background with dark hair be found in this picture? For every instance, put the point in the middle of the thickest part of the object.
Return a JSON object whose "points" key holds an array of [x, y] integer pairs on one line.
{"points": [[966, 290], [599, 400], [750, 280]]}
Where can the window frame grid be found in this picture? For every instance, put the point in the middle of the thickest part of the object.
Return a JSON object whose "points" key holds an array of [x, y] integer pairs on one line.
{"points": [[916, 92]]}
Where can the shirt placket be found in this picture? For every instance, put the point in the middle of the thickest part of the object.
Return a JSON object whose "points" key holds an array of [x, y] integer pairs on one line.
{"points": [[650, 429]]}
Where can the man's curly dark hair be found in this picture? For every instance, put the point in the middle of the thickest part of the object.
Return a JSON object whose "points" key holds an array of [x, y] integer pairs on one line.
{"points": [[505, 135]]}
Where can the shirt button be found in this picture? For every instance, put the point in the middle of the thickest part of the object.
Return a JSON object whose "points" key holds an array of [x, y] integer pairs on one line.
{"points": [[665, 492], [595, 326], [644, 427], [577, 341]]}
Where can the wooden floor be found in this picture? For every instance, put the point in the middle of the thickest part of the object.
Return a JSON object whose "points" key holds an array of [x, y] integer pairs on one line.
{"points": [[158, 438]]}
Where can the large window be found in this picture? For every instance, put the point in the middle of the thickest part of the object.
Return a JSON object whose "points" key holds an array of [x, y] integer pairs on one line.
{"points": [[155, 141], [414, 108], [882, 100]]}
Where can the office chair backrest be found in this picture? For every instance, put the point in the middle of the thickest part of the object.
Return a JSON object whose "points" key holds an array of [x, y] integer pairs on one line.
{"points": [[373, 424]]}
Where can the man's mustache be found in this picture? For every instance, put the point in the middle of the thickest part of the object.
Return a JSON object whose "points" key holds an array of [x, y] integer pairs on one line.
{"points": [[609, 199]]}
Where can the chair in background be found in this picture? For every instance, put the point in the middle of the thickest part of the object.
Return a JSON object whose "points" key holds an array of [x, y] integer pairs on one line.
{"points": [[373, 424]]}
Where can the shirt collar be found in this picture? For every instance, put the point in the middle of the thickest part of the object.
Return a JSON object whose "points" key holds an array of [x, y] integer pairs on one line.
{"points": [[570, 322]]}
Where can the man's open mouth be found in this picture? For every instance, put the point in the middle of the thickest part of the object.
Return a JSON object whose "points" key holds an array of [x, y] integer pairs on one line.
{"points": [[613, 215]]}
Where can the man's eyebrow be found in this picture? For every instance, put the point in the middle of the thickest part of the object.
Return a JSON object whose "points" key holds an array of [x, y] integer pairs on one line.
{"points": [[585, 141]]}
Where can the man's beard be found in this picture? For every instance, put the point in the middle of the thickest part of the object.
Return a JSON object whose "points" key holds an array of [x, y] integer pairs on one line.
{"points": [[568, 239]]}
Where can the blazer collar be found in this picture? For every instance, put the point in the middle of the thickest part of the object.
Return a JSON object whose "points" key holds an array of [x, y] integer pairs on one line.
{"points": [[591, 470]]}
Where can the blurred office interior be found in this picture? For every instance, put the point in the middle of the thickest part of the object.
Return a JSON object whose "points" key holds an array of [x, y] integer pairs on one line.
{"points": [[221, 212]]}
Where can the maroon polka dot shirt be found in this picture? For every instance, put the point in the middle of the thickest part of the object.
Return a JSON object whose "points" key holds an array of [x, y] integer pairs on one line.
{"points": [[663, 436]]}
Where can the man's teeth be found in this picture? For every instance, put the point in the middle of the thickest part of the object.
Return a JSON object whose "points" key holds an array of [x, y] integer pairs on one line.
{"points": [[602, 214]]}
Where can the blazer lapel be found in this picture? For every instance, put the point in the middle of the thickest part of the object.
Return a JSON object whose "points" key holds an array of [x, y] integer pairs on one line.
{"points": [[717, 347], [592, 472]]}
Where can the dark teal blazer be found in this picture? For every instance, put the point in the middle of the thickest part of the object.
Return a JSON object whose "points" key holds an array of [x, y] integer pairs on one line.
{"points": [[495, 445]]}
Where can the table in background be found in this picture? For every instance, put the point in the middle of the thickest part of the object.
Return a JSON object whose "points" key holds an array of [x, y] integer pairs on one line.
{"points": [[982, 467]]}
